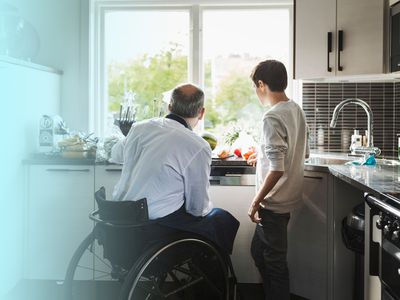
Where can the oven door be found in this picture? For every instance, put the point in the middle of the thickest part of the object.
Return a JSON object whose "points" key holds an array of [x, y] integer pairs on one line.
{"points": [[373, 237], [390, 269], [389, 252]]}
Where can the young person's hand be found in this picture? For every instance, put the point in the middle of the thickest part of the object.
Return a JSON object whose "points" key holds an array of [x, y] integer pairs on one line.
{"points": [[252, 160], [253, 211]]}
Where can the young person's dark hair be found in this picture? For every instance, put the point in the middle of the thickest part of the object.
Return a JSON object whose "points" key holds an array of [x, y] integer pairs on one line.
{"points": [[272, 73]]}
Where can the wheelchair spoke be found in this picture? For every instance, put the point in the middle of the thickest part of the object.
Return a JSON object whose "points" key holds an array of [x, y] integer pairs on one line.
{"points": [[101, 260], [209, 283], [182, 270], [184, 287], [152, 288], [102, 276]]}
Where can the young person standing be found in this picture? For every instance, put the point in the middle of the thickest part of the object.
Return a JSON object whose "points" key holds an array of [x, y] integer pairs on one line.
{"points": [[280, 168]]}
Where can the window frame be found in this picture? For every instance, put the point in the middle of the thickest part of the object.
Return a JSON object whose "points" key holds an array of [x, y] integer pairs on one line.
{"points": [[97, 74]]}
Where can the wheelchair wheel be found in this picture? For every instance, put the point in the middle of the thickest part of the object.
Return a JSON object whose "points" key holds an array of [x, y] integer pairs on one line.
{"points": [[186, 268], [90, 276]]}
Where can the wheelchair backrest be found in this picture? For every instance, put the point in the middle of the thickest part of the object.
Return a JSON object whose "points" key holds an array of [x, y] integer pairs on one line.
{"points": [[121, 212]]}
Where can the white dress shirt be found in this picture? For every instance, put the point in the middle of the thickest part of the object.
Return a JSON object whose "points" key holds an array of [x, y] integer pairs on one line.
{"points": [[166, 163]]}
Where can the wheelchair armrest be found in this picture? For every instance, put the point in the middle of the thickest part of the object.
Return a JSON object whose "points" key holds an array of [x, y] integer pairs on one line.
{"points": [[115, 223]]}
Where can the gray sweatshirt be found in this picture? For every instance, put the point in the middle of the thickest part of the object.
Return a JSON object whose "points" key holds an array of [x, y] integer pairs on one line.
{"points": [[283, 147]]}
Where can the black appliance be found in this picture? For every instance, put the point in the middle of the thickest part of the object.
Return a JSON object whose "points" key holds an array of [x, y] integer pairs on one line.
{"points": [[388, 258], [395, 37], [353, 238]]}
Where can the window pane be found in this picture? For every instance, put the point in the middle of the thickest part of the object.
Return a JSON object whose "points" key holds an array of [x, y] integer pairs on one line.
{"points": [[146, 54], [234, 42]]}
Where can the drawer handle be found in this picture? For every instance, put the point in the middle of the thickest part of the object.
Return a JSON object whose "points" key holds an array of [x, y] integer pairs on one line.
{"points": [[113, 170], [68, 170], [312, 177], [215, 182]]}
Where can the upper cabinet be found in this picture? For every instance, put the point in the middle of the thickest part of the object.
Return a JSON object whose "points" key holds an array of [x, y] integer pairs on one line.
{"points": [[339, 38]]}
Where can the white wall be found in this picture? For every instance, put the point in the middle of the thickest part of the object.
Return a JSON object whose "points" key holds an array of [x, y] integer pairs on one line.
{"points": [[25, 94], [62, 26]]}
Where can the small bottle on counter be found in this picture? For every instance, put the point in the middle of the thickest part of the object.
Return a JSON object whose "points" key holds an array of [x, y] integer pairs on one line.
{"points": [[356, 140], [365, 139]]}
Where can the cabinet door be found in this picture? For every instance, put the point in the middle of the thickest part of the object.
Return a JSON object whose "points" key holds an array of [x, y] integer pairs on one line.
{"points": [[237, 200], [314, 19], [107, 176], [308, 240], [362, 23], [60, 199]]}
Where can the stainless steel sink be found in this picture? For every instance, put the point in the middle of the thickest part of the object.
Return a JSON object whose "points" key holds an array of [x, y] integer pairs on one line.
{"points": [[325, 161], [388, 162]]}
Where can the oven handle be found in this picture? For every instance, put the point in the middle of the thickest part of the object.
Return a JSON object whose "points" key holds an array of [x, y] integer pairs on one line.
{"points": [[373, 201]]}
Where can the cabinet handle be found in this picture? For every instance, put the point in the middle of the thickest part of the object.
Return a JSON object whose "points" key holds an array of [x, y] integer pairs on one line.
{"points": [[312, 177], [340, 48], [113, 170], [329, 50], [381, 205], [68, 170], [215, 182]]}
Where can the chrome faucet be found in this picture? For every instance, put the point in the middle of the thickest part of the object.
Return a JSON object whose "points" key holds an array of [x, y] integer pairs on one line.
{"points": [[370, 143]]}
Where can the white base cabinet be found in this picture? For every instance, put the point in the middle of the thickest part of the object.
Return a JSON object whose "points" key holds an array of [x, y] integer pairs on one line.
{"points": [[308, 240], [107, 176], [59, 200], [237, 200]]}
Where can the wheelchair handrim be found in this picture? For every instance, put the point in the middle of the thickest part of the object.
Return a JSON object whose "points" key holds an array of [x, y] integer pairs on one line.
{"points": [[156, 254]]}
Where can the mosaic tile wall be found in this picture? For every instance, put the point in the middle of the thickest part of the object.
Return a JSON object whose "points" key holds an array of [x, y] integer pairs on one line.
{"points": [[320, 99]]}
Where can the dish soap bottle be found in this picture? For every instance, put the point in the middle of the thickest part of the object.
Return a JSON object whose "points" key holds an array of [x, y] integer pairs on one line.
{"points": [[356, 140]]}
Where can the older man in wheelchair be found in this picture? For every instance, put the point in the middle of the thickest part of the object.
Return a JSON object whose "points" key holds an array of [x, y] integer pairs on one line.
{"points": [[160, 238]]}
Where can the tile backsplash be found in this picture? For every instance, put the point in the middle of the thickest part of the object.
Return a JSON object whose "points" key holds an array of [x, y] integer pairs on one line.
{"points": [[320, 99]]}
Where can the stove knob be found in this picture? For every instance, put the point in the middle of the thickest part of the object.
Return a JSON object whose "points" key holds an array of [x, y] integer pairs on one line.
{"points": [[396, 225], [379, 224], [395, 236], [387, 229]]}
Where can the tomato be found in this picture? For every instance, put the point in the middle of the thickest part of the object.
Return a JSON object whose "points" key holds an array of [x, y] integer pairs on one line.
{"points": [[247, 154], [237, 152]]}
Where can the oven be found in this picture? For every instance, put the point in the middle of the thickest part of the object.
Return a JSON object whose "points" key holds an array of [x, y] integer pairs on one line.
{"points": [[388, 259]]}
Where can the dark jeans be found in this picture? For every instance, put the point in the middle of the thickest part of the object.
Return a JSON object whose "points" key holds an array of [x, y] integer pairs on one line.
{"points": [[219, 226], [269, 251]]}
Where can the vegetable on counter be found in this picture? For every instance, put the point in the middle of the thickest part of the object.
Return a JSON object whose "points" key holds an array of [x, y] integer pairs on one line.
{"points": [[210, 138], [251, 150], [238, 152], [223, 153]]}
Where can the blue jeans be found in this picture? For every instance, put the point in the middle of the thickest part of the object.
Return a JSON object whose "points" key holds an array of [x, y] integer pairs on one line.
{"points": [[269, 251]]}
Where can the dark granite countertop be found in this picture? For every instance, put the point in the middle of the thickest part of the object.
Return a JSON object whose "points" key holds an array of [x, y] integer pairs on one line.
{"points": [[380, 179]]}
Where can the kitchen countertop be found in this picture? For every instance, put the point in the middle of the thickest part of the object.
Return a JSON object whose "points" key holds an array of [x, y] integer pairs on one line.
{"points": [[56, 159], [376, 179], [382, 179]]}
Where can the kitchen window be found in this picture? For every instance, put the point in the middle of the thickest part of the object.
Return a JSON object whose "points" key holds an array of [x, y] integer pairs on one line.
{"points": [[139, 53]]}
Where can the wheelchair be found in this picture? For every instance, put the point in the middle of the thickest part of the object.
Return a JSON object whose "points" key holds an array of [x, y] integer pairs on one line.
{"points": [[129, 257]]}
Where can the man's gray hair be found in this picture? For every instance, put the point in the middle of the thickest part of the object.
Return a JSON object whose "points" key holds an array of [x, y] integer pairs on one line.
{"points": [[187, 104]]}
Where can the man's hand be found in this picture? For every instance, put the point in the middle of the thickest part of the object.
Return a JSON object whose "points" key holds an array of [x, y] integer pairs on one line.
{"points": [[253, 211], [252, 160]]}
